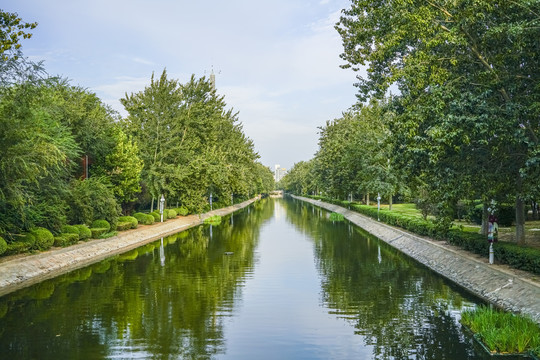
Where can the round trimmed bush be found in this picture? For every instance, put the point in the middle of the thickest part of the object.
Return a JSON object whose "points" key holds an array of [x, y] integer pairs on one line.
{"points": [[3, 245], [145, 219], [101, 224], [157, 216], [66, 239], [44, 238], [130, 219], [171, 214], [70, 229], [122, 226], [84, 232], [97, 232]]}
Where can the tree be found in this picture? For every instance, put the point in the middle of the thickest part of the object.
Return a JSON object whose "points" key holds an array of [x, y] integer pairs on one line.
{"points": [[123, 168], [36, 158], [12, 29], [481, 52]]}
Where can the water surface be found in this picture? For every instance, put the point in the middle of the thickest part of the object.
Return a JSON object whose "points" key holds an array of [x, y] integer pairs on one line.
{"points": [[275, 281]]}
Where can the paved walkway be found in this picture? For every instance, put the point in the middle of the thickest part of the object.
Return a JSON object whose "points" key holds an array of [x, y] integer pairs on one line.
{"points": [[511, 289], [20, 271]]}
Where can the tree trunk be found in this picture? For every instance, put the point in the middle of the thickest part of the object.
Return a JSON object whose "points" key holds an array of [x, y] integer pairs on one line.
{"points": [[152, 205], [520, 221], [534, 210], [390, 202], [367, 199], [485, 214]]}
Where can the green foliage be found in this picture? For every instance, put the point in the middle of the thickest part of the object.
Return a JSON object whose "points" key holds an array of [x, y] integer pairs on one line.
{"points": [[12, 29], [503, 332], [18, 247], [519, 257], [102, 224], [98, 232], [171, 213], [123, 167], [157, 216], [84, 232], [132, 220], [3, 245], [44, 238], [123, 226], [191, 144], [91, 199], [70, 229], [145, 219], [66, 239], [182, 211], [465, 121]]}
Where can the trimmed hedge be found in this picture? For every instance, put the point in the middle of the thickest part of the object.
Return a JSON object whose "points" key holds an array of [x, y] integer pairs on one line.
{"points": [[182, 211], [519, 257], [44, 238], [70, 229], [122, 226], [171, 213], [130, 219], [84, 232], [18, 247], [101, 224], [157, 216], [97, 232], [3, 245], [66, 239], [145, 219]]}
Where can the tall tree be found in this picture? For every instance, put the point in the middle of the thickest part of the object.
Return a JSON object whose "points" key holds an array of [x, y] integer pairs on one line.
{"points": [[481, 52]]}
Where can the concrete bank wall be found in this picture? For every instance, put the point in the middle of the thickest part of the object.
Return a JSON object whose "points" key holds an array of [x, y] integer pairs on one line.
{"points": [[21, 271], [511, 289]]}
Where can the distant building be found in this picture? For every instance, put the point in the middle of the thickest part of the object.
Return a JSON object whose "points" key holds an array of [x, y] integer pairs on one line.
{"points": [[279, 172]]}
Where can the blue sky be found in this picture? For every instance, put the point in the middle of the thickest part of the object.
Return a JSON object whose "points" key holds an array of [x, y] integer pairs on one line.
{"points": [[276, 62]]}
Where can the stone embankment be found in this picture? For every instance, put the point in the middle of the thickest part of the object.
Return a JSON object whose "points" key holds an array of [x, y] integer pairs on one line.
{"points": [[508, 288], [24, 270]]}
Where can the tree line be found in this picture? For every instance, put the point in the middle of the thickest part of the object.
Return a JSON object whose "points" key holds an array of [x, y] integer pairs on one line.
{"points": [[463, 123], [67, 157]]}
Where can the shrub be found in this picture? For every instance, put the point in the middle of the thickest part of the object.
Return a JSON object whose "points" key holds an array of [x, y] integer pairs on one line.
{"points": [[84, 232], [122, 226], [70, 229], [3, 245], [92, 199], [27, 238], [17, 247], [157, 216], [101, 224], [130, 219], [44, 238], [182, 211], [171, 213], [66, 239], [97, 232], [145, 219]]}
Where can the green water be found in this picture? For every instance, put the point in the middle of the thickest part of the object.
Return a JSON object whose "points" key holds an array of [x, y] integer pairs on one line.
{"points": [[278, 280]]}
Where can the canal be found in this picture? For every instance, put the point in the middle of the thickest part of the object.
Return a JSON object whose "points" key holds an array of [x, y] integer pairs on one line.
{"points": [[276, 280]]}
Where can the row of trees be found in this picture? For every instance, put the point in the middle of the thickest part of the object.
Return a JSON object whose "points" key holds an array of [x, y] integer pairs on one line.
{"points": [[66, 157], [465, 123]]}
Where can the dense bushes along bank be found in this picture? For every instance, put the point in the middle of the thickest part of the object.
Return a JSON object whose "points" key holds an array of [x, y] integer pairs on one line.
{"points": [[41, 239], [517, 256]]}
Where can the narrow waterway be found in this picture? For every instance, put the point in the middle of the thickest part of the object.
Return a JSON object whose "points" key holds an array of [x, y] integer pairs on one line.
{"points": [[277, 280]]}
